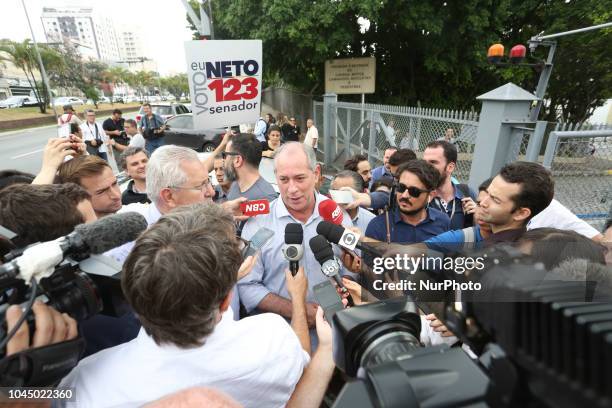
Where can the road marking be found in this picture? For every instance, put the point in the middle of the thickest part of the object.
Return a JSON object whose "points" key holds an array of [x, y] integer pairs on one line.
{"points": [[27, 154]]}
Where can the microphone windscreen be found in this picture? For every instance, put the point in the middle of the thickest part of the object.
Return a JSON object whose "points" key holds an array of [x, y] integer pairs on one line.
{"points": [[330, 211], [321, 249], [294, 234], [111, 231], [332, 232]]}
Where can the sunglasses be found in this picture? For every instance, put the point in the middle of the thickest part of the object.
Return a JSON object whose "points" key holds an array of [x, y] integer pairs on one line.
{"points": [[225, 154], [413, 191]]}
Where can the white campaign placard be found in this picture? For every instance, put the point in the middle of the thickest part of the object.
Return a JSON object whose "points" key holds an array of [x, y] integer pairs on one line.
{"points": [[224, 82]]}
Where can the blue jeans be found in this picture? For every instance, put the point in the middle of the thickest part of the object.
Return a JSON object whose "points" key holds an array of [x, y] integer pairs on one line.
{"points": [[151, 145]]}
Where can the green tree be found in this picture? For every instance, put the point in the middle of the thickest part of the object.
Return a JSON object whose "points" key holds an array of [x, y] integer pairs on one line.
{"points": [[427, 51], [23, 56]]}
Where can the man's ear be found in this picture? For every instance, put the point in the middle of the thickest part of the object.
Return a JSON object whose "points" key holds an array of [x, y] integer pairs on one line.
{"points": [[225, 303], [167, 196], [317, 171], [450, 167], [521, 214]]}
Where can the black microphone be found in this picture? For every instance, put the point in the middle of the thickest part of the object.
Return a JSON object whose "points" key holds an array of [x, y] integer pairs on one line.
{"points": [[330, 266], [293, 248], [39, 260], [339, 235]]}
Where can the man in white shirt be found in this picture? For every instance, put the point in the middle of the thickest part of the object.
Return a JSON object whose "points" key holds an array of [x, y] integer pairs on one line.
{"points": [[178, 279], [556, 215], [64, 121], [131, 130], [312, 135], [94, 136]]}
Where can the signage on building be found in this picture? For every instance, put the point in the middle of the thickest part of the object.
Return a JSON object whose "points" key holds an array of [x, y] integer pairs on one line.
{"points": [[224, 81], [350, 76]]}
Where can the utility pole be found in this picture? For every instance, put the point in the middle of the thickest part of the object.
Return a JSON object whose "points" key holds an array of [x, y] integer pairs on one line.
{"points": [[43, 73], [547, 41]]}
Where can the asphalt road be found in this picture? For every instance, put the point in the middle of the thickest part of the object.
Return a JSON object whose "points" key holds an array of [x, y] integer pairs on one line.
{"points": [[23, 149]]}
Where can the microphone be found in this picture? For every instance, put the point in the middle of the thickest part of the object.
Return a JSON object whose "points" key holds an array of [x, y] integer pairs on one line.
{"points": [[293, 248], [330, 266], [339, 235], [39, 260], [330, 211]]}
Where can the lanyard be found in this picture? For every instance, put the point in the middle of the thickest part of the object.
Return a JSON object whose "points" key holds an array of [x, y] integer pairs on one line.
{"points": [[91, 131]]}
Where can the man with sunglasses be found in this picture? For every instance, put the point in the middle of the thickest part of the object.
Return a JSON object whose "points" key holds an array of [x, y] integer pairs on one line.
{"points": [[291, 131], [410, 219]]}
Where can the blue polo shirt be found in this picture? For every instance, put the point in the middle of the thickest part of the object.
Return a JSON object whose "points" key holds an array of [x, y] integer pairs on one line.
{"points": [[454, 209], [378, 173], [434, 224]]}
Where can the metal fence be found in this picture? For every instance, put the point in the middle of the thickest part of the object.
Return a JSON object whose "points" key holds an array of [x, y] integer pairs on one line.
{"points": [[580, 158], [290, 103], [370, 129]]}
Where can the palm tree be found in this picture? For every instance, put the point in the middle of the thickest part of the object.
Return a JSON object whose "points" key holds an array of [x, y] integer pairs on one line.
{"points": [[22, 55]]}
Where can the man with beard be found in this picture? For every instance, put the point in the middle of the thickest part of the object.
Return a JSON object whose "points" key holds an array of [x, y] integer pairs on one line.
{"points": [[411, 220], [241, 160], [451, 197], [223, 185]]}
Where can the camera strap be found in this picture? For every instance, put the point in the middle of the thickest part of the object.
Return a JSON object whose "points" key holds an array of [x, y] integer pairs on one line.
{"points": [[41, 366]]}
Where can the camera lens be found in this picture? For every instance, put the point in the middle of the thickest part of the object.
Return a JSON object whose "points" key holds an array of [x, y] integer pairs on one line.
{"points": [[388, 348], [387, 340]]}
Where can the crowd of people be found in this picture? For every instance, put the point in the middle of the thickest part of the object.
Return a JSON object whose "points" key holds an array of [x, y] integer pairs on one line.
{"points": [[207, 326]]}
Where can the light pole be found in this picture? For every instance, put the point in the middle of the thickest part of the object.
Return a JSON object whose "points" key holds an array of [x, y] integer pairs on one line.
{"points": [[43, 73]]}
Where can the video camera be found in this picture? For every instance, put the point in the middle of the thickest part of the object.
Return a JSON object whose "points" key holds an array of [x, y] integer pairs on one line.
{"points": [[542, 339], [69, 275]]}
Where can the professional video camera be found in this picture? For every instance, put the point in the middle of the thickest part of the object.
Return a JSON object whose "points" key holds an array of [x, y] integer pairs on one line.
{"points": [[68, 275], [542, 339]]}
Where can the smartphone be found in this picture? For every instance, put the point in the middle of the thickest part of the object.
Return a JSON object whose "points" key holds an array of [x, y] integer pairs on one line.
{"points": [[258, 241], [328, 298], [341, 196]]}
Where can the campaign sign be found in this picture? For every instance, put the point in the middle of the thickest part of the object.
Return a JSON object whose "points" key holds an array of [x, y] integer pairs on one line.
{"points": [[224, 82]]}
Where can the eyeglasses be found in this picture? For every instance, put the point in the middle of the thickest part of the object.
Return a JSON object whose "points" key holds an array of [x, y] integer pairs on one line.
{"points": [[225, 154], [200, 188], [413, 191]]}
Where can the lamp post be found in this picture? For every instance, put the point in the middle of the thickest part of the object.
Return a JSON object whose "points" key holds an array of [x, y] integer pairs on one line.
{"points": [[43, 73]]}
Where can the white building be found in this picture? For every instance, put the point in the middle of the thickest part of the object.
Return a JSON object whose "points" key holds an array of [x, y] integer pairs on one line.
{"points": [[85, 26]]}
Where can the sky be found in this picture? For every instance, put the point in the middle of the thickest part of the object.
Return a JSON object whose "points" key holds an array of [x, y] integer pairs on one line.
{"points": [[163, 24]]}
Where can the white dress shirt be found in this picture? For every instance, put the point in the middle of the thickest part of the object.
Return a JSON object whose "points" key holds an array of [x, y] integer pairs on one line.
{"points": [[257, 361], [556, 215], [89, 133], [312, 133]]}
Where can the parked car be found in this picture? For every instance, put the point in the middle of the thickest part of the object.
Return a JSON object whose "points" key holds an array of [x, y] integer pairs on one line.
{"points": [[18, 102], [180, 131], [165, 110], [67, 100], [104, 99], [118, 99]]}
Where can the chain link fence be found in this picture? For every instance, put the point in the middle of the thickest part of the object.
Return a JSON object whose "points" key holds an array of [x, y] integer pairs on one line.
{"points": [[370, 129], [580, 158]]}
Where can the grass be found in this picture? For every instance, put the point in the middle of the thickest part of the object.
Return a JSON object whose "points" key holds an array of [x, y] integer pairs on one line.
{"points": [[34, 112]]}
